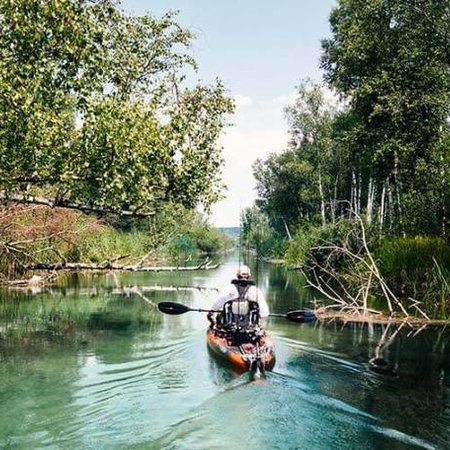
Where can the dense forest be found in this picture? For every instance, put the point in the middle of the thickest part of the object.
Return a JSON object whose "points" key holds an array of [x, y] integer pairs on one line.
{"points": [[365, 176]]}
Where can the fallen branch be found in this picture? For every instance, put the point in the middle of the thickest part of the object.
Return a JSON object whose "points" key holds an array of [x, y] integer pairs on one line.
{"points": [[34, 281], [353, 253], [115, 267], [125, 291]]}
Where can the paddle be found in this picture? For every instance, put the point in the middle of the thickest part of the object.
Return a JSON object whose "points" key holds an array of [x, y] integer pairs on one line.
{"points": [[177, 308], [299, 316]]}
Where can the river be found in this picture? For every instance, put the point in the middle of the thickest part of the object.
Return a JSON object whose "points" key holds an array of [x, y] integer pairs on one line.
{"points": [[92, 364]]}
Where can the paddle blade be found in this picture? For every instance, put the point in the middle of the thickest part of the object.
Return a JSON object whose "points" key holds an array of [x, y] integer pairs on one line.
{"points": [[172, 308], [301, 316]]}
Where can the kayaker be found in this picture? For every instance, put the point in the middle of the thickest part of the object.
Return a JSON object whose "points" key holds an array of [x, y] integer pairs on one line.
{"points": [[239, 290]]}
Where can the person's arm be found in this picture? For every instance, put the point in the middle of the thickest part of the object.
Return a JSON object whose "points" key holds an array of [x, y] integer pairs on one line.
{"points": [[263, 306], [218, 305], [224, 297]]}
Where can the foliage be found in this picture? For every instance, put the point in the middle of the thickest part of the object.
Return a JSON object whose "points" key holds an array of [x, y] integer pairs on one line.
{"points": [[107, 244], [416, 267], [392, 60], [93, 110], [300, 246], [257, 235], [386, 154], [406, 255], [381, 156], [192, 236], [30, 234], [295, 185], [182, 248], [308, 242]]}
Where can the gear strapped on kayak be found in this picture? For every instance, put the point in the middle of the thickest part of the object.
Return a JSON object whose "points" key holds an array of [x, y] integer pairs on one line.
{"points": [[239, 319]]}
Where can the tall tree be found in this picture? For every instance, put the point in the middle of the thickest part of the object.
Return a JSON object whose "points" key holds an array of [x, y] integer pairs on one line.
{"points": [[93, 112], [391, 58], [302, 182]]}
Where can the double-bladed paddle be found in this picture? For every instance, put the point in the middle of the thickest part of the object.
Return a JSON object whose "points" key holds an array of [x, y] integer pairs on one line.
{"points": [[298, 316]]}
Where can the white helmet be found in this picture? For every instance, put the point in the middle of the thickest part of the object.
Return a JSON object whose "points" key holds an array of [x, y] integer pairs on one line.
{"points": [[243, 271]]}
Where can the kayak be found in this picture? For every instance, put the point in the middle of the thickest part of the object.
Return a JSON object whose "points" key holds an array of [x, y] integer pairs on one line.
{"points": [[245, 357]]}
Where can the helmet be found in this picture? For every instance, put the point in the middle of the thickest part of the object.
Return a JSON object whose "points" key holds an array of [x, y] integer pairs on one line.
{"points": [[243, 272]]}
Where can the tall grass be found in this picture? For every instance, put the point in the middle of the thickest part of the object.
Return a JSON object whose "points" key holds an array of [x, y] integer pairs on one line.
{"points": [[107, 244], [418, 268]]}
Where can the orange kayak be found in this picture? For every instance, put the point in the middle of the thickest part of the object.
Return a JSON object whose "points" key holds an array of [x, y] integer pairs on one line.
{"points": [[245, 357]]}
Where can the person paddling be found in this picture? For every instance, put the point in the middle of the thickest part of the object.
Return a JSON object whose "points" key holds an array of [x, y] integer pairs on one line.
{"points": [[244, 291]]}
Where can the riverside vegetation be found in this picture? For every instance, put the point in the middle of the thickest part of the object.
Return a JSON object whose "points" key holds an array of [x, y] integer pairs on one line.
{"points": [[359, 198], [96, 118], [38, 234]]}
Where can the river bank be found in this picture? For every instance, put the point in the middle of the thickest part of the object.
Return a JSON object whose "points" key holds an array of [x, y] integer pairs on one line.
{"points": [[37, 238]]}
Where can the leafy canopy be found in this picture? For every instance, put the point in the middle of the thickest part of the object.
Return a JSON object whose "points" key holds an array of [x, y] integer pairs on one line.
{"points": [[94, 109]]}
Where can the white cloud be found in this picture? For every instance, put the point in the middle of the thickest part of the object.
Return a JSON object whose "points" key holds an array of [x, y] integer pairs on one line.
{"points": [[242, 101], [259, 129], [333, 99], [241, 149], [284, 100]]}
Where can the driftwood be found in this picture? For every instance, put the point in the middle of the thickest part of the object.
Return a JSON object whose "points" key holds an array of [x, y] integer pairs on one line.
{"points": [[34, 282], [322, 275], [67, 266]]}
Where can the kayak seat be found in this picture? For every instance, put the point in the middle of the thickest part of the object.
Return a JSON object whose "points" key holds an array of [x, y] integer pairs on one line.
{"points": [[240, 321], [240, 313]]}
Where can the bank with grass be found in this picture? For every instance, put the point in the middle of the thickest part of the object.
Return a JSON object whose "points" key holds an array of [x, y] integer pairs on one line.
{"points": [[42, 235]]}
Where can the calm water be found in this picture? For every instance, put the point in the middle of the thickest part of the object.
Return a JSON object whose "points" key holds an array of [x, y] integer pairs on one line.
{"points": [[93, 365]]}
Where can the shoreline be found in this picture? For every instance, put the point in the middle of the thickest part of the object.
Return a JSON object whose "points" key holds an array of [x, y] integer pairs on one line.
{"points": [[379, 319]]}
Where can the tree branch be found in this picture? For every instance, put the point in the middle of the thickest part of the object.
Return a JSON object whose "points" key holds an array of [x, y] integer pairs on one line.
{"points": [[62, 203]]}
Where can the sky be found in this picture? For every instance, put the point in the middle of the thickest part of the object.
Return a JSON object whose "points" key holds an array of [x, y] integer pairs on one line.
{"points": [[261, 51]]}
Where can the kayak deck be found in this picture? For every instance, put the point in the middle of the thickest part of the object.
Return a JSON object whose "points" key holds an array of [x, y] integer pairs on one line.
{"points": [[248, 356]]}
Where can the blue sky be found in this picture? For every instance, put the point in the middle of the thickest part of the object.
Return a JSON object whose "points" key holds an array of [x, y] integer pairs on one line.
{"points": [[261, 50]]}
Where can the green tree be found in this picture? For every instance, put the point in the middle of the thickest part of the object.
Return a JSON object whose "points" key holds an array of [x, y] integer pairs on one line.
{"points": [[391, 58], [257, 234], [94, 114], [301, 183]]}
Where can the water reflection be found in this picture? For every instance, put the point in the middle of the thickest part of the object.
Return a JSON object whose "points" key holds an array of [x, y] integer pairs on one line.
{"points": [[91, 363]]}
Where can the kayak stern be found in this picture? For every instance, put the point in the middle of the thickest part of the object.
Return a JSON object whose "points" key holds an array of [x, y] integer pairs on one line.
{"points": [[246, 357]]}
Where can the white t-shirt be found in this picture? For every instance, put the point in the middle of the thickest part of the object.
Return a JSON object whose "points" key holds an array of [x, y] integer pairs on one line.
{"points": [[253, 294]]}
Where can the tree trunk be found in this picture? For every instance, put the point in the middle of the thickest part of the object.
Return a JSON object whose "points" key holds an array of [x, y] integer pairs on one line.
{"points": [[382, 206], [108, 266], [322, 201], [334, 203], [359, 193], [62, 203], [370, 195], [287, 230], [397, 187], [390, 204]]}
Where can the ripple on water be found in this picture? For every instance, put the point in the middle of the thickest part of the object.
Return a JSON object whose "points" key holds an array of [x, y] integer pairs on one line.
{"points": [[278, 412]]}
